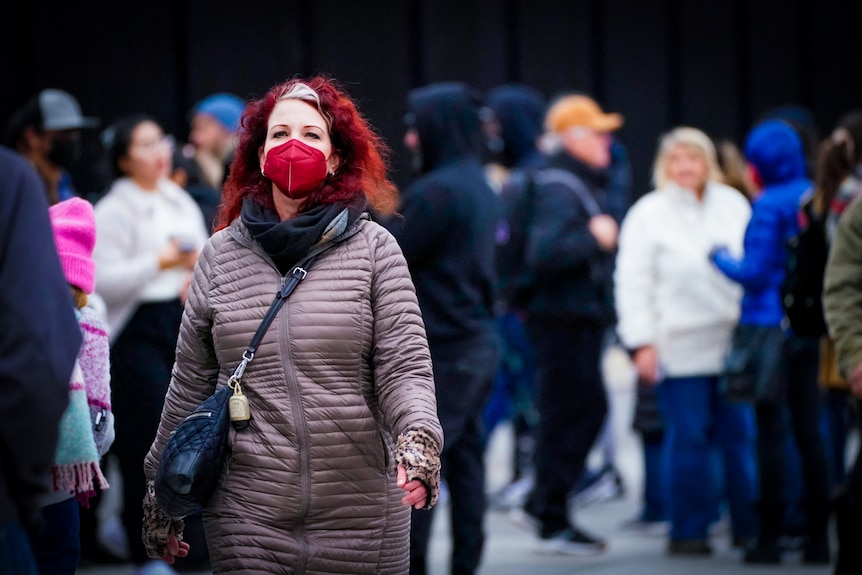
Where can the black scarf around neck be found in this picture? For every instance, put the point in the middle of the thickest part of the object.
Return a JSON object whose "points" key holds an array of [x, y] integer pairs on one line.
{"points": [[288, 241]]}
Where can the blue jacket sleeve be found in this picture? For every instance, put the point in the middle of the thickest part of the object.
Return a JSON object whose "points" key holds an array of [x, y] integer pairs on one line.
{"points": [[763, 245]]}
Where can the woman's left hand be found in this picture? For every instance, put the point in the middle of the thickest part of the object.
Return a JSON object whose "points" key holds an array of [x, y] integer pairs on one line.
{"points": [[162, 536], [176, 547], [417, 494]]}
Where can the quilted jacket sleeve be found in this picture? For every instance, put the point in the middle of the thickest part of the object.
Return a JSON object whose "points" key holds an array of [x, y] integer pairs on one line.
{"points": [[402, 364]]}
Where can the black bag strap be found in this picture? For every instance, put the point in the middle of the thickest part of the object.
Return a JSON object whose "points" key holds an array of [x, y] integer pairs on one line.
{"points": [[296, 275], [558, 176]]}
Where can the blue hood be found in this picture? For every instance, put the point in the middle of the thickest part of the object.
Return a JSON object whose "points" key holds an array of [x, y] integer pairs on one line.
{"points": [[775, 149]]}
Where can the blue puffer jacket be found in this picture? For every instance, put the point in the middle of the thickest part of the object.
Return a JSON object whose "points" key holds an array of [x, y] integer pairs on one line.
{"points": [[774, 148]]}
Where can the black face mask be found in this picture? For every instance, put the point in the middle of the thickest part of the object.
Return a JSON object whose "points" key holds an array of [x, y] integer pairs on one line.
{"points": [[417, 162], [65, 152]]}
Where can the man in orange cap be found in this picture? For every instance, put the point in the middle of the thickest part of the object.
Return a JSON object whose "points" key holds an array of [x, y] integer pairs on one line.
{"points": [[570, 252]]}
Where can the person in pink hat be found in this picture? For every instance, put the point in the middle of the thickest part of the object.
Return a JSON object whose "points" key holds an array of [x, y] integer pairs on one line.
{"points": [[86, 428]]}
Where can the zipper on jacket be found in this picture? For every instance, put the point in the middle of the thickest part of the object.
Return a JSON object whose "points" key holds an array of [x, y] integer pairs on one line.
{"points": [[302, 446], [198, 415]]}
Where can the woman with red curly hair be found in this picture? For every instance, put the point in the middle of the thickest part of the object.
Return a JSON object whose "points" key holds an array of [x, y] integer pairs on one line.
{"points": [[344, 437]]}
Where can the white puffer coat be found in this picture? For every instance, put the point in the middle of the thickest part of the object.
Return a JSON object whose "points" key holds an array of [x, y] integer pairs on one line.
{"points": [[342, 372]]}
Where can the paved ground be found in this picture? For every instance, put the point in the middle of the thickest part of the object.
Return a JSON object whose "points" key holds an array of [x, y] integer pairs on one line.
{"points": [[508, 550]]}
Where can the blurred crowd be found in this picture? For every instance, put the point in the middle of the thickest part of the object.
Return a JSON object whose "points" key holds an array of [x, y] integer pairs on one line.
{"points": [[531, 255]]}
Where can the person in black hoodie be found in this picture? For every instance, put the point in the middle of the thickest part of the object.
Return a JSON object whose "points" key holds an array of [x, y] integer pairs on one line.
{"points": [[39, 343], [569, 252], [446, 228]]}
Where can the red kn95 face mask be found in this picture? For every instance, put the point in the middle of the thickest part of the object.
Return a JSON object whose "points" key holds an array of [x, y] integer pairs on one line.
{"points": [[295, 168]]}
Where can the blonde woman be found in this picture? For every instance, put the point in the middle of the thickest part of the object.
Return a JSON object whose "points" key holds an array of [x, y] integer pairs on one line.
{"points": [[676, 313]]}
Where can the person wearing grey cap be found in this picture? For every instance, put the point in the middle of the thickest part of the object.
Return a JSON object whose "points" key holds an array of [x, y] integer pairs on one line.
{"points": [[47, 132]]}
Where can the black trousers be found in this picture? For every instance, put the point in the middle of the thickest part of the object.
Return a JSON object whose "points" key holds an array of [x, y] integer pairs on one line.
{"points": [[463, 376], [848, 517], [572, 406], [803, 397], [141, 361]]}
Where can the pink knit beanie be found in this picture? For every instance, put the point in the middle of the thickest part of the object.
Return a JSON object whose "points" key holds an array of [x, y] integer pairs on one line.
{"points": [[75, 235]]}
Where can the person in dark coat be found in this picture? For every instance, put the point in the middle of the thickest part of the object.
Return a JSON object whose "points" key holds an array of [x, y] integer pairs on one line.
{"points": [[449, 215], [570, 253], [841, 301], [39, 343]]}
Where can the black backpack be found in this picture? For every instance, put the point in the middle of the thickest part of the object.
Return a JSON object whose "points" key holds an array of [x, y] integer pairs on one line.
{"points": [[802, 289], [514, 280]]}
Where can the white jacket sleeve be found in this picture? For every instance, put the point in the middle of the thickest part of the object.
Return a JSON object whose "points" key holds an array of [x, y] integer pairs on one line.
{"points": [[635, 278], [122, 271]]}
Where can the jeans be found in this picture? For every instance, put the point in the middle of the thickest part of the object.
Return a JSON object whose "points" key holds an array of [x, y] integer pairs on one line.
{"points": [[655, 507], [512, 395], [16, 556], [57, 547], [709, 443], [848, 519], [838, 420]]}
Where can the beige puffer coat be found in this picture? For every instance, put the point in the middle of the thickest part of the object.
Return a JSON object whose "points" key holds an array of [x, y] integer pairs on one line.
{"points": [[342, 372]]}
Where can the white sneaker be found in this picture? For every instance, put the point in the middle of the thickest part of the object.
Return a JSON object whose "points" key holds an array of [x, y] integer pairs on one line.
{"points": [[523, 520], [512, 495], [606, 487], [571, 541], [651, 528], [112, 535]]}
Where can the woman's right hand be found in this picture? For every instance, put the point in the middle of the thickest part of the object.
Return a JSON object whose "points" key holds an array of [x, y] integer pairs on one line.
{"points": [[646, 363]]}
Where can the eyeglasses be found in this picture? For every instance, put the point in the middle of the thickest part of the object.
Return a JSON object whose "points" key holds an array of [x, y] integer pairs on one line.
{"points": [[150, 145]]}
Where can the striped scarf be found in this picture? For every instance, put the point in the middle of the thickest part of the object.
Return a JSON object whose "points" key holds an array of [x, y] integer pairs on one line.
{"points": [[76, 463]]}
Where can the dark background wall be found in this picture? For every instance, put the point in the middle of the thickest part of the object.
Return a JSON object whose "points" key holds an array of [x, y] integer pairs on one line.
{"points": [[715, 65]]}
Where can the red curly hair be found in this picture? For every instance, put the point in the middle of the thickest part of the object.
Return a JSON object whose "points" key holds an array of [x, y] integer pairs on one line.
{"points": [[363, 155]]}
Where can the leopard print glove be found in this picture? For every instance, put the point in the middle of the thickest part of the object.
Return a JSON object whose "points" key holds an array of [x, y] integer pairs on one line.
{"points": [[157, 525], [419, 453]]}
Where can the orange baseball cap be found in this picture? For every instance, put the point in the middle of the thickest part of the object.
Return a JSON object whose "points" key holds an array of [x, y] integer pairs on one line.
{"points": [[572, 111]]}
